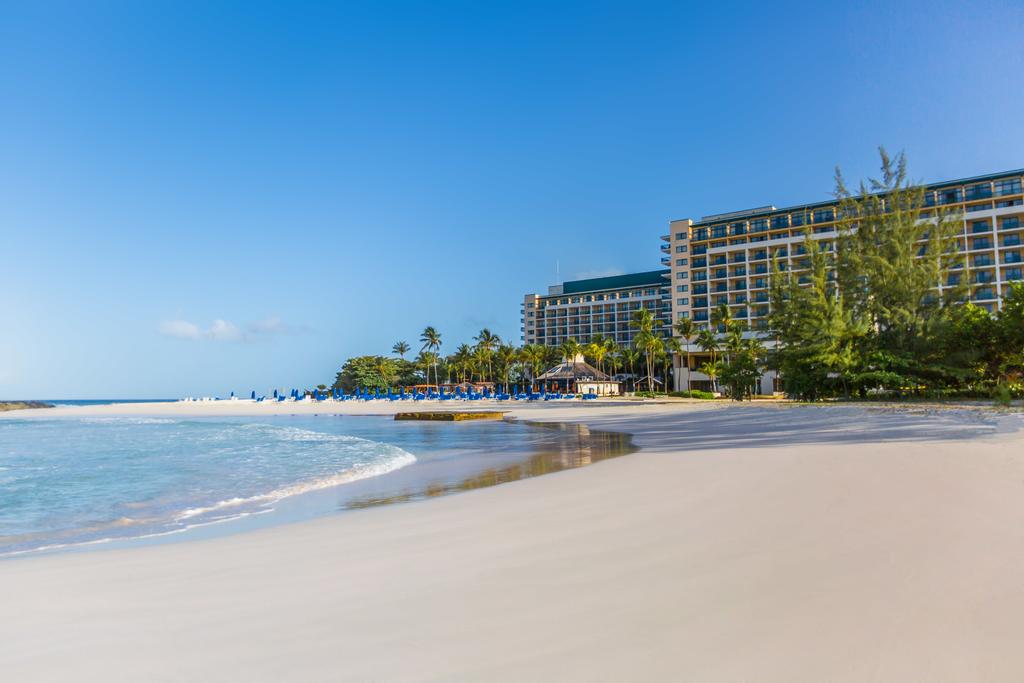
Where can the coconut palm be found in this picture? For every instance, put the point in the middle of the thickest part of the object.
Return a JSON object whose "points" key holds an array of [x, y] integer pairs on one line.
{"points": [[481, 361], [488, 341], [688, 331], [646, 339], [672, 347], [630, 356], [461, 361], [533, 356], [708, 341], [401, 348], [614, 354], [506, 356], [712, 370], [597, 349], [431, 339], [569, 349]]}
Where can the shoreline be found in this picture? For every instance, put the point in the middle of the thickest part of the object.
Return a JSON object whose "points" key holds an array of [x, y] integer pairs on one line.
{"points": [[770, 543], [449, 466]]}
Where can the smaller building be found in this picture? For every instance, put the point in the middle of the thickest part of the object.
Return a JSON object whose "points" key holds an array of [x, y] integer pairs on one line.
{"points": [[579, 377], [595, 307]]}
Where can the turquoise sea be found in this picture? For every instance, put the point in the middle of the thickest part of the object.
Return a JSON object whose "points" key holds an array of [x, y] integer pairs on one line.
{"points": [[73, 481]]}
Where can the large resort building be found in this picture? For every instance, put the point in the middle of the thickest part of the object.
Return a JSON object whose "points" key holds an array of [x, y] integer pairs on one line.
{"points": [[583, 309], [726, 258]]}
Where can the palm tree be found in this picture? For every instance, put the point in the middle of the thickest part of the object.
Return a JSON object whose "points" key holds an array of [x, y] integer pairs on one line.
{"points": [[570, 348], [426, 360], [707, 340], [712, 369], [401, 348], [688, 331], [643, 321], [481, 360], [629, 357], [646, 339], [672, 347], [614, 354], [597, 349], [651, 346], [721, 318], [462, 359], [488, 341], [533, 355], [431, 339], [506, 356]]}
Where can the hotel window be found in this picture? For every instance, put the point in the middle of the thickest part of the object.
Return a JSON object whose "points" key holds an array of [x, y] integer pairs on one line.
{"points": [[1004, 187], [738, 229], [682, 288], [780, 222], [681, 249], [760, 225], [980, 226], [1007, 203], [682, 302], [682, 276], [682, 261], [797, 219], [929, 198], [680, 235], [824, 215], [1010, 223], [683, 314], [718, 231], [700, 234], [951, 196], [979, 191]]}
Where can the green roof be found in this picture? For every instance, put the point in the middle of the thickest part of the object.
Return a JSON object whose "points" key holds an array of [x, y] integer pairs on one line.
{"points": [[651, 277]]}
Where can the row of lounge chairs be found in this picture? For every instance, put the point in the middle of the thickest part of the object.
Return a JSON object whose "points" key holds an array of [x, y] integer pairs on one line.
{"points": [[402, 395]]}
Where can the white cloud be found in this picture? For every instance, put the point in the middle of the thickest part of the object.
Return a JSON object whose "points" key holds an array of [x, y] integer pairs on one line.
{"points": [[222, 330], [225, 330]]}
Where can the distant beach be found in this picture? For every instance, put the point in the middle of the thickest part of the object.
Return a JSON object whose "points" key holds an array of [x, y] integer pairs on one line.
{"points": [[741, 542]]}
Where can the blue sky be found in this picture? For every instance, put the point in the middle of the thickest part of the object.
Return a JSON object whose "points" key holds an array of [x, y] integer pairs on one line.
{"points": [[200, 197]]}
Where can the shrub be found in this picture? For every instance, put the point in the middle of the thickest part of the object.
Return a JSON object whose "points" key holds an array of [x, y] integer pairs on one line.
{"points": [[694, 393], [1002, 395]]}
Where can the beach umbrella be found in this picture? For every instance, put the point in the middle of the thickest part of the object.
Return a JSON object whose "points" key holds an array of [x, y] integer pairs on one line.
{"points": [[253, 394], [275, 393]]}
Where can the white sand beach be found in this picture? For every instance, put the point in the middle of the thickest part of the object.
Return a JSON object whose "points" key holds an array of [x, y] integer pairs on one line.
{"points": [[741, 543]]}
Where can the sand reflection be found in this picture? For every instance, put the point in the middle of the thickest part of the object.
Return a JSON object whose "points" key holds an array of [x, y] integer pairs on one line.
{"points": [[578, 447]]}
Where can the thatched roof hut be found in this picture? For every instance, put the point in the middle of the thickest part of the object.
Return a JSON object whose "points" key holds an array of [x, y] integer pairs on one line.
{"points": [[578, 375]]}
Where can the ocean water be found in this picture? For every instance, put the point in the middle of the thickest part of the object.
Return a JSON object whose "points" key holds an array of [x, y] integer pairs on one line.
{"points": [[71, 482], [68, 403]]}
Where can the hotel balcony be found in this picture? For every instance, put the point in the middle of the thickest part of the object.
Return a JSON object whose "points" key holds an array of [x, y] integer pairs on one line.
{"points": [[666, 260]]}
